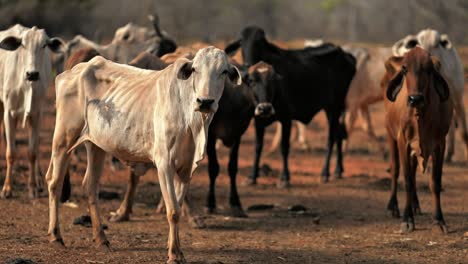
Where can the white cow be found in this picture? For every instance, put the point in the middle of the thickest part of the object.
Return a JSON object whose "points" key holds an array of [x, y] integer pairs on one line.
{"points": [[25, 70], [137, 116], [440, 46]]}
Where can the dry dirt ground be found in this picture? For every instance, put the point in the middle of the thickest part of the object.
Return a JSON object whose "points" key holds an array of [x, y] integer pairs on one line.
{"points": [[354, 225]]}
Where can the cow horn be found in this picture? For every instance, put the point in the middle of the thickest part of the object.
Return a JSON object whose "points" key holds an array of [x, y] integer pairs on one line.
{"points": [[155, 20]]}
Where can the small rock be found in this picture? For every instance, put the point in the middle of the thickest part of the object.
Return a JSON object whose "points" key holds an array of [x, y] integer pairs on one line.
{"points": [[260, 207]]}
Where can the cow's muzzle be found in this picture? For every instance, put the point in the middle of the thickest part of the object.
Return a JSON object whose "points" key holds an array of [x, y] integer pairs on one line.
{"points": [[264, 110], [32, 76], [204, 105], [416, 100]]}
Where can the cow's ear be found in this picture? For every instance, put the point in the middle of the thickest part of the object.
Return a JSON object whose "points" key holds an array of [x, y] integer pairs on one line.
{"points": [[185, 71], [56, 45], [232, 48], [440, 83], [396, 72], [234, 75], [445, 41], [10, 43]]}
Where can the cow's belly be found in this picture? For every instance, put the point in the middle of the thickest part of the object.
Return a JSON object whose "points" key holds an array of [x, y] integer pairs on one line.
{"points": [[128, 136]]}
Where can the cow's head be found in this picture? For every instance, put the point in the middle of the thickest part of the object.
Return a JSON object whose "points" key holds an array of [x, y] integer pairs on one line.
{"points": [[253, 43], [428, 39], [418, 73], [263, 81], [207, 73], [28, 49]]}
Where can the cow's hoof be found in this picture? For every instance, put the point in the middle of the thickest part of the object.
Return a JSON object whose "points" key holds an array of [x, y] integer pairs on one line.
{"points": [[448, 159], [57, 243], [33, 193], [395, 212], [407, 227], [161, 209], [180, 260], [6, 194], [441, 226], [338, 175], [104, 246], [236, 211], [283, 184], [196, 222], [250, 182], [417, 210], [324, 179], [117, 217], [210, 210]]}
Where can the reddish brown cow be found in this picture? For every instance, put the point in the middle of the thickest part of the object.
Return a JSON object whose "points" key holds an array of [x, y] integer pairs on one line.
{"points": [[81, 55], [418, 117]]}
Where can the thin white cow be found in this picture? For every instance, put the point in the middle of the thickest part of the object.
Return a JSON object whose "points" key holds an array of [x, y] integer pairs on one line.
{"points": [[137, 116], [25, 69], [440, 46]]}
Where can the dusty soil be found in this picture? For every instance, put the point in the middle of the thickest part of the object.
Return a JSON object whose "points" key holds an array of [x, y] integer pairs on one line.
{"points": [[354, 225]]}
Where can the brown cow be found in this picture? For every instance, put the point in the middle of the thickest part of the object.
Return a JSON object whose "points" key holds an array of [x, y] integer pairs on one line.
{"points": [[418, 117], [81, 55]]}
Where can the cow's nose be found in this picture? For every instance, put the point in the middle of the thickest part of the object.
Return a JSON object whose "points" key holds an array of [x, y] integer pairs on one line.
{"points": [[415, 100], [264, 110], [32, 76], [204, 105]]}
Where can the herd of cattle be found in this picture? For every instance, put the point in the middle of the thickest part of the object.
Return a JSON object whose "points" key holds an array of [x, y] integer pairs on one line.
{"points": [[148, 102]]}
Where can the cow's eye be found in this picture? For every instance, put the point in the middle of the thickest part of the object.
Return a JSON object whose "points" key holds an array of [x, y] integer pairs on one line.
{"points": [[224, 72], [126, 36]]}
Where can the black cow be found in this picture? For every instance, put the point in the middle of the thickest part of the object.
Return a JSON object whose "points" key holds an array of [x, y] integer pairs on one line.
{"points": [[312, 79]]}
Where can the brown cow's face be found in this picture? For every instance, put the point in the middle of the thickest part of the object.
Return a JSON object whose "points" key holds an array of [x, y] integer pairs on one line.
{"points": [[419, 75], [262, 79]]}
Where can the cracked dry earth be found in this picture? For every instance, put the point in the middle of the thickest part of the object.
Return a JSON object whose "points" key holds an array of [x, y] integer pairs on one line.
{"points": [[354, 226]]}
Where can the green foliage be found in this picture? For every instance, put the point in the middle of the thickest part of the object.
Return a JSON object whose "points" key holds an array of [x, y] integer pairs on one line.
{"points": [[330, 5]]}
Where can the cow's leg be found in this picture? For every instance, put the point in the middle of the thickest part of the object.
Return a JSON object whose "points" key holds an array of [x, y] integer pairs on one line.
{"points": [[371, 132], [55, 178], [182, 190], [276, 139], [96, 158], [234, 201], [394, 171], [451, 142], [302, 136], [285, 134], [340, 136], [213, 171], [33, 149], [409, 164], [332, 128], [68, 127], [351, 125], [10, 129], [259, 134], [125, 209], [461, 119], [166, 174], [436, 185]]}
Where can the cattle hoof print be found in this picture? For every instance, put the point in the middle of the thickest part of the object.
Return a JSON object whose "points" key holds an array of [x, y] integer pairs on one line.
{"points": [[406, 227]]}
